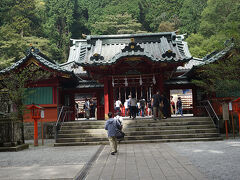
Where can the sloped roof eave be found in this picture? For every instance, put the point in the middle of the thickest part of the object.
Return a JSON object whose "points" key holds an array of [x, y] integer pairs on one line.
{"points": [[40, 59], [121, 55]]}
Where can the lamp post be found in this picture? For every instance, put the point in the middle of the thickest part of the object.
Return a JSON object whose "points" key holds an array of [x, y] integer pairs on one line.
{"points": [[36, 114]]}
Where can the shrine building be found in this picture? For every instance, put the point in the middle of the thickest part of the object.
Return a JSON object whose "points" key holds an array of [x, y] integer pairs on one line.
{"points": [[110, 67]]}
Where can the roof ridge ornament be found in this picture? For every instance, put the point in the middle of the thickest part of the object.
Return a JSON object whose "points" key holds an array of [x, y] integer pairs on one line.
{"points": [[32, 49], [132, 46]]}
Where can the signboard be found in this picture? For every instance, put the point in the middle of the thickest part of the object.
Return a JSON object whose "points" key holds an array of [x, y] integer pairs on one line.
{"points": [[225, 111], [230, 106], [42, 114]]}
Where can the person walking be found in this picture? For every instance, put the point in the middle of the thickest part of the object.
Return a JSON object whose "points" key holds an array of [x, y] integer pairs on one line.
{"points": [[112, 125], [157, 102]]}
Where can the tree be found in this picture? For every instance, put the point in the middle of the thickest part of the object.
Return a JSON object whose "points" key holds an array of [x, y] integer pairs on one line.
{"points": [[117, 24], [80, 18], [190, 15], [166, 27], [221, 77], [16, 88], [22, 16], [57, 27], [215, 16], [158, 11], [219, 22], [11, 45]]}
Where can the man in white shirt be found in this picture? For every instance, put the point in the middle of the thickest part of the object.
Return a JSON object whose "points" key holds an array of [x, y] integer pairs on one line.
{"points": [[126, 107], [118, 104]]}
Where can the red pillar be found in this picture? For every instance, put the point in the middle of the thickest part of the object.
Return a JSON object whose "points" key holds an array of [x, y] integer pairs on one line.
{"points": [[111, 98], [35, 132], [106, 98]]}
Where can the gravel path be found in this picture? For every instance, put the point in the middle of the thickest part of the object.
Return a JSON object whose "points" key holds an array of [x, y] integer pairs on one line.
{"points": [[48, 155], [218, 160]]}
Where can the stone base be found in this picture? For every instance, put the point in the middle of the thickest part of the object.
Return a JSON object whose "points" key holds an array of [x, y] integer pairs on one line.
{"points": [[14, 148]]}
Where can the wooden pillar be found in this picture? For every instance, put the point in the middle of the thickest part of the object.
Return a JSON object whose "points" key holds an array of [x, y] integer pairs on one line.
{"points": [[111, 96], [159, 84], [194, 100], [106, 98]]}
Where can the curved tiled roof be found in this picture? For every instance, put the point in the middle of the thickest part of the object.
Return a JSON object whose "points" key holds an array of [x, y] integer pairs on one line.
{"points": [[108, 49], [40, 59]]}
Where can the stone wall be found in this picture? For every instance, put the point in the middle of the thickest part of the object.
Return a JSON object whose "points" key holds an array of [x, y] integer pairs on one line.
{"points": [[48, 130], [10, 132]]}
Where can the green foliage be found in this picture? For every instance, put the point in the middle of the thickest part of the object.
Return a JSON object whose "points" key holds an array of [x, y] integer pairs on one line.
{"points": [[117, 24], [11, 46], [16, 88], [190, 15], [157, 11], [166, 27], [51, 23], [57, 27], [199, 46], [221, 77]]}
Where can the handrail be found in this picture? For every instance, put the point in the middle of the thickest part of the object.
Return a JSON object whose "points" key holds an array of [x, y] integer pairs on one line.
{"points": [[59, 115], [213, 110], [64, 113], [208, 107]]}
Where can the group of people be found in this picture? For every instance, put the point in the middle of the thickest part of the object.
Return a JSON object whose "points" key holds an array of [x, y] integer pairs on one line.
{"points": [[89, 108], [158, 106], [134, 107], [179, 109]]}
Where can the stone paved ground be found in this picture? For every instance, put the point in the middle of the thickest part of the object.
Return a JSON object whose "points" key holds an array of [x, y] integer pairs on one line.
{"points": [[143, 162], [218, 160]]}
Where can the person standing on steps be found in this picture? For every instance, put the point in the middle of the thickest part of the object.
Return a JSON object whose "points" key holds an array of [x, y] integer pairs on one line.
{"points": [[179, 106], [133, 107], [142, 106], [156, 102], [112, 125]]}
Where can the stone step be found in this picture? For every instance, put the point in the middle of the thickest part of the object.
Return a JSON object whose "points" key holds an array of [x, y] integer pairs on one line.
{"points": [[159, 123], [139, 130], [169, 127], [139, 133], [64, 127], [92, 122], [140, 141], [128, 129], [129, 121], [149, 124], [142, 137]]}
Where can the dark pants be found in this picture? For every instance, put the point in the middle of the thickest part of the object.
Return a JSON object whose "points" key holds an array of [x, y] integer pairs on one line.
{"points": [[133, 111], [157, 111]]}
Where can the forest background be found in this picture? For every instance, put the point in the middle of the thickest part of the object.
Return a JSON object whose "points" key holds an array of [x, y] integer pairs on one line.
{"points": [[49, 24]]}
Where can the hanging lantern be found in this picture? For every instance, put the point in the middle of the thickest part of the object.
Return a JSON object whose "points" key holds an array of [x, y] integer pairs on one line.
{"points": [[154, 80], [112, 81], [126, 83], [140, 81]]}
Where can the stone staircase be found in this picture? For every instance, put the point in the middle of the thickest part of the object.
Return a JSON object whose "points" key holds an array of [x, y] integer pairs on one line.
{"points": [[139, 131]]}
